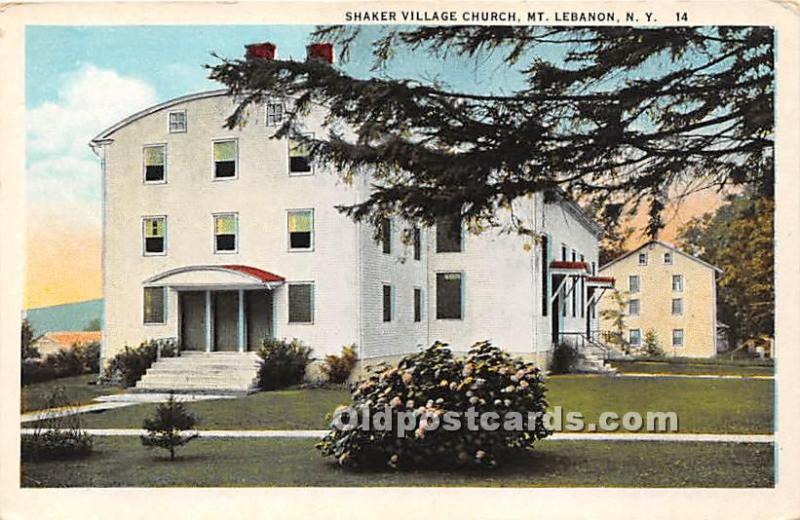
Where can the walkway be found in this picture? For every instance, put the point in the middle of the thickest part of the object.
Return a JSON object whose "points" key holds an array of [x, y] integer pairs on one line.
{"points": [[316, 434], [690, 376]]}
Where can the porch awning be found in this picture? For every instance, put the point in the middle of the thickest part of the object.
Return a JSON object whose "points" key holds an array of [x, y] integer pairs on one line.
{"points": [[216, 277], [571, 268], [601, 282]]}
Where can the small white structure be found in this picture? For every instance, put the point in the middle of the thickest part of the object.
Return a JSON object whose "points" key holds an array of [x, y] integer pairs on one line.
{"points": [[223, 237]]}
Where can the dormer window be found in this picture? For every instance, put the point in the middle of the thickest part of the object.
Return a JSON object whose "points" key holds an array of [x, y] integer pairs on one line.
{"points": [[177, 122]]}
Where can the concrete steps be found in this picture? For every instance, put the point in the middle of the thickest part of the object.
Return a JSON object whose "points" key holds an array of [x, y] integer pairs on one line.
{"points": [[225, 373]]}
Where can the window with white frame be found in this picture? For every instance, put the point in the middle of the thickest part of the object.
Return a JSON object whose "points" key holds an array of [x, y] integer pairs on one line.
{"points": [[299, 157], [274, 111], [642, 258], [301, 303], [633, 307], [226, 230], [387, 303], [677, 337], [301, 229], [417, 304], [155, 300], [449, 296], [634, 284], [635, 337], [677, 283], [155, 163], [177, 121], [225, 159], [677, 306], [668, 258], [154, 231]]}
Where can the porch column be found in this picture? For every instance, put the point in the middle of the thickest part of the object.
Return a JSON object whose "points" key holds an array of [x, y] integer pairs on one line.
{"points": [[242, 334], [209, 316]]}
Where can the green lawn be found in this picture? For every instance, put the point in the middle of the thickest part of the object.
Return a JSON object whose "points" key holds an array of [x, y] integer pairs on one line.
{"points": [[282, 462], [651, 367], [702, 405], [78, 389]]}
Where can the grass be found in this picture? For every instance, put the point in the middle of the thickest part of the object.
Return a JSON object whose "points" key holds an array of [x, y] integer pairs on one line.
{"points": [[120, 461], [689, 368], [702, 405], [77, 388]]}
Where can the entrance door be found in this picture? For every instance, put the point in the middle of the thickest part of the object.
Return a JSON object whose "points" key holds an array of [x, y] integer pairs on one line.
{"points": [[258, 309], [226, 321], [193, 320]]}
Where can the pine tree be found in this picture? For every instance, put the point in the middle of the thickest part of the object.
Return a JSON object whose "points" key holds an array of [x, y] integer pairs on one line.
{"points": [[166, 429], [621, 115]]}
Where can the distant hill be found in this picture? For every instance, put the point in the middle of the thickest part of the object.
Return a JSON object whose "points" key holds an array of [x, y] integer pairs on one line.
{"points": [[70, 316]]}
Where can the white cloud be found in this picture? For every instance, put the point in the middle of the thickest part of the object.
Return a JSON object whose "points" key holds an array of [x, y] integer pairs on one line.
{"points": [[89, 101]]}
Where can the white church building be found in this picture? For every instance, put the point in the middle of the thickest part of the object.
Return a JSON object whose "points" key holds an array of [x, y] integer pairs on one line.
{"points": [[220, 238]]}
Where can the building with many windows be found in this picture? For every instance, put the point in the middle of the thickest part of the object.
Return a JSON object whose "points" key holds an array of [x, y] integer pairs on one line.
{"points": [[223, 237], [669, 292]]}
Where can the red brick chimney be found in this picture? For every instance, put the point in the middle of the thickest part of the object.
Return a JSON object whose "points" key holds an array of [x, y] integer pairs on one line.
{"points": [[265, 50], [320, 51]]}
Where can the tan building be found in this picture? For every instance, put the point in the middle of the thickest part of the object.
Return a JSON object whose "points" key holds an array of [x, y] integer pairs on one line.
{"points": [[670, 292], [52, 342]]}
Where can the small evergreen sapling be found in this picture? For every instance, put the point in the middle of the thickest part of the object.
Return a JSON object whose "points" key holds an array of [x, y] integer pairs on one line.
{"points": [[166, 428]]}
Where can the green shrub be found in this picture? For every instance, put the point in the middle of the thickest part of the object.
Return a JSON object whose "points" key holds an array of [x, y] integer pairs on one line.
{"points": [[34, 371], [565, 357], [57, 436], [127, 367], [89, 356], [282, 363], [166, 429], [651, 347], [65, 362], [338, 368], [433, 382], [73, 361]]}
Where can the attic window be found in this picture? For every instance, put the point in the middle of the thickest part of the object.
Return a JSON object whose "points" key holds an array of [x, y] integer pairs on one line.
{"points": [[274, 110], [177, 122]]}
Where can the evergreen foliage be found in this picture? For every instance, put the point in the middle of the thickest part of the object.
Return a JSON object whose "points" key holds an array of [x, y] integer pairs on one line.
{"points": [[167, 428]]}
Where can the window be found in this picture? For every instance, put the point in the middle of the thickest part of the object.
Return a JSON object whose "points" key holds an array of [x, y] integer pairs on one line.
{"points": [[386, 235], [154, 230], [677, 337], [417, 305], [633, 307], [634, 337], [668, 258], [274, 112], [154, 304], [299, 157], [448, 235], [448, 296], [574, 296], [225, 231], [301, 303], [633, 284], [545, 275], [642, 258], [387, 303], [155, 163], [177, 122], [677, 283], [225, 159], [301, 229], [677, 306], [416, 236]]}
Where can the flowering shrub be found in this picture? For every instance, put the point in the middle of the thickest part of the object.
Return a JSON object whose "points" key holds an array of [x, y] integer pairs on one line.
{"points": [[434, 383], [338, 368], [283, 363]]}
